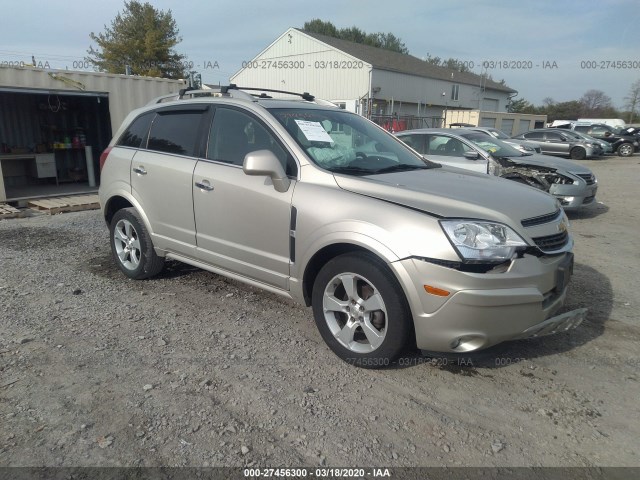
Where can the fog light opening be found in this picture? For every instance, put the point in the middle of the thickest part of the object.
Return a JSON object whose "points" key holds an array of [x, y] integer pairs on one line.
{"points": [[564, 201], [467, 343]]}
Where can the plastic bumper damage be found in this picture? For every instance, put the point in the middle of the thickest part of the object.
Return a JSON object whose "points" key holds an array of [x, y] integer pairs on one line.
{"points": [[560, 323]]}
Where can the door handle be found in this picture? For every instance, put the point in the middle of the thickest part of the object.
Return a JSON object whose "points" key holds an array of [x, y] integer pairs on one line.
{"points": [[204, 185], [140, 170]]}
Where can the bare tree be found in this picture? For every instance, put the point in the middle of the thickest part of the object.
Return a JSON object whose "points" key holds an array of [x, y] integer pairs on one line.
{"points": [[594, 102], [633, 100], [548, 101]]}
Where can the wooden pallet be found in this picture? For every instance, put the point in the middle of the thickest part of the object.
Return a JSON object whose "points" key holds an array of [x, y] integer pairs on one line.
{"points": [[7, 211], [65, 204]]}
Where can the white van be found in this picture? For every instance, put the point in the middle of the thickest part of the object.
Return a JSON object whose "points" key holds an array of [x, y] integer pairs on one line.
{"points": [[613, 122]]}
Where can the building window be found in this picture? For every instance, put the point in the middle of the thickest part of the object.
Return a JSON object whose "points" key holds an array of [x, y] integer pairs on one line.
{"points": [[455, 89]]}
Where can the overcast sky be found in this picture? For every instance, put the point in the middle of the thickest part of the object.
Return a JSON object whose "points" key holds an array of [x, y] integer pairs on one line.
{"points": [[560, 34]]}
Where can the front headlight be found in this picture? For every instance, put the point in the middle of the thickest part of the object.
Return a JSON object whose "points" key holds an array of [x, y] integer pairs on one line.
{"points": [[478, 240]]}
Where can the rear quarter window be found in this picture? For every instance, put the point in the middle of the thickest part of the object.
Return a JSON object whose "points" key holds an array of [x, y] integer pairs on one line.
{"points": [[136, 135]]}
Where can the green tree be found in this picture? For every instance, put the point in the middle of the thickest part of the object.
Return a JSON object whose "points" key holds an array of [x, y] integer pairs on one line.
{"points": [[562, 110], [141, 37], [521, 106], [321, 28], [387, 41]]}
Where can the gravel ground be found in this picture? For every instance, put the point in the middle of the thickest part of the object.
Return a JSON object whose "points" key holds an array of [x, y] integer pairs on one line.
{"points": [[191, 369]]}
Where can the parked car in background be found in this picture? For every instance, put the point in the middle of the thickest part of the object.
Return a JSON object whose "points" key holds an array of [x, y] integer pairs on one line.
{"points": [[553, 141], [605, 146], [623, 144], [522, 145], [630, 130], [390, 250], [574, 185]]}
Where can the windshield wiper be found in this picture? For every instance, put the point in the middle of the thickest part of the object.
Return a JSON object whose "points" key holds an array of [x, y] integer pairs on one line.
{"points": [[405, 167], [354, 170]]}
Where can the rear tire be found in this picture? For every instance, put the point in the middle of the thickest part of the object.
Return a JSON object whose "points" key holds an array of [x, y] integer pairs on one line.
{"points": [[131, 246], [578, 153], [361, 311]]}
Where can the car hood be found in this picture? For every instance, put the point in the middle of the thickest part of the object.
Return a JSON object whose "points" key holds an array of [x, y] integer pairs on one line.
{"points": [[551, 162], [454, 193]]}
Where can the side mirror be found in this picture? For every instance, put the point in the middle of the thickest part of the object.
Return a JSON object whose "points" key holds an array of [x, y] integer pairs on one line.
{"points": [[264, 162], [471, 155]]}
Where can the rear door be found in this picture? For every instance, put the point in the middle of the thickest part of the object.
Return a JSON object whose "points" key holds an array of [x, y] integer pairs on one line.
{"points": [[243, 224], [556, 143], [161, 175]]}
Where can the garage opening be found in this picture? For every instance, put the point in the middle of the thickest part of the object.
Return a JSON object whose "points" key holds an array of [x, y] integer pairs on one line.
{"points": [[50, 142]]}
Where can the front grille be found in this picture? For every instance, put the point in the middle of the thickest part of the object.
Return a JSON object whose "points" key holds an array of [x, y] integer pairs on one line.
{"points": [[587, 177], [550, 243], [533, 221]]}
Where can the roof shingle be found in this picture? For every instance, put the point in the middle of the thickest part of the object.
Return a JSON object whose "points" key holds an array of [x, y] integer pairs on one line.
{"points": [[398, 62]]}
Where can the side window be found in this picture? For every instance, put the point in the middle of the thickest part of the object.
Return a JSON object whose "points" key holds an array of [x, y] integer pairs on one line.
{"points": [[598, 131], [234, 134], [136, 135], [534, 135], [175, 132], [414, 141], [447, 146], [554, 137]]}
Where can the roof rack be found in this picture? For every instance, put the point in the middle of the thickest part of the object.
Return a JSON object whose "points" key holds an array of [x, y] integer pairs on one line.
{"points": [[232, 90], [305, 96]]}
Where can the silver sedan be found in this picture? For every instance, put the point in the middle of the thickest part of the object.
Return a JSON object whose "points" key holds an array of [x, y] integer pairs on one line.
{"points": [[574, 185]]}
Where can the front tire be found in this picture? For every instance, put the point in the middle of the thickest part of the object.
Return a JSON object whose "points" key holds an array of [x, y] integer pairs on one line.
{"points": [[361, 310], [131, 246], [625, 150], [578, 153]]}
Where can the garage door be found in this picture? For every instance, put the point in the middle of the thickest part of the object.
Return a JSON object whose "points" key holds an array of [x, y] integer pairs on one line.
{"points": [[488, 122], [507, 126]]}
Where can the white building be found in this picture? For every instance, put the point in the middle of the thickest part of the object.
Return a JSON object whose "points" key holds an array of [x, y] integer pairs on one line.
{"points": [[368, 80]]}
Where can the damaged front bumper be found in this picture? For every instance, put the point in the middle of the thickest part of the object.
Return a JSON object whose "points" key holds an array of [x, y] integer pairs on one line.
{"points": [[560, 323], [572, 190], [484, 309]]}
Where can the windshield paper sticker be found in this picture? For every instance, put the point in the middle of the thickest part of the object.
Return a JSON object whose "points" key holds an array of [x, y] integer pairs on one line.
{"points": [[314, 131]]}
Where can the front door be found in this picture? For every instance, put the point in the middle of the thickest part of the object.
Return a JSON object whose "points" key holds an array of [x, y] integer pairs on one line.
{"points": [[242, 222], [450, 151]]}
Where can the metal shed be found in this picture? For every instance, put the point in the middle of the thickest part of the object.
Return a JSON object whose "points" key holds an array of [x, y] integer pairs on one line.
{"points": [[55, 123]]}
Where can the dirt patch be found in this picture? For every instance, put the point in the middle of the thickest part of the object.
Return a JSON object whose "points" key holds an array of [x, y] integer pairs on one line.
{"points": [[190, 369]]}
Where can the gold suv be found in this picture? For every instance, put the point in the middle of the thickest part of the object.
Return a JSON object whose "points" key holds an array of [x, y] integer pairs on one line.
{"points": [[301, 198]]}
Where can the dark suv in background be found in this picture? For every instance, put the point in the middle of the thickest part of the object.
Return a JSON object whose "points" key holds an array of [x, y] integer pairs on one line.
{"points": [[622, 143]]}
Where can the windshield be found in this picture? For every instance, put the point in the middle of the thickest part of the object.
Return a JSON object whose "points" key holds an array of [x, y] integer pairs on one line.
{"points": [[499, 134], [492, 145], [343, 142], [571, 133], [580, 136]]}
